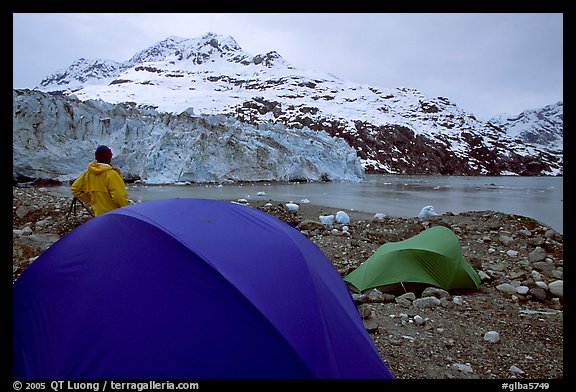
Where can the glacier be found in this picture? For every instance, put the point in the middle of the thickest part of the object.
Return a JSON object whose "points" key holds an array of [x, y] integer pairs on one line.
{"points": [[160, 148]]}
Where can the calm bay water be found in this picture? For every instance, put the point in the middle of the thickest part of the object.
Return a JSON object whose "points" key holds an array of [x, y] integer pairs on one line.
{"points": [[540, 198]]}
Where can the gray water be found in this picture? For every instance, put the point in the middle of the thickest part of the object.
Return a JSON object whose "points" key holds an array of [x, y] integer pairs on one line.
{"points": [[540, 198]]}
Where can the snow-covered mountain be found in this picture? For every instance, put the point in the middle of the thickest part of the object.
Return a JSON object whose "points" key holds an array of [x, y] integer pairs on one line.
{"points": [[392, 130], [543, 126]]}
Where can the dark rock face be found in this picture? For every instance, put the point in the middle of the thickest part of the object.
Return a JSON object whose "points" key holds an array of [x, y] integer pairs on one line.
{"points": [[396, 148]]}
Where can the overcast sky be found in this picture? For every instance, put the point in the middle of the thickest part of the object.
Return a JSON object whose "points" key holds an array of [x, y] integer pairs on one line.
{"points": [[486, 63]]}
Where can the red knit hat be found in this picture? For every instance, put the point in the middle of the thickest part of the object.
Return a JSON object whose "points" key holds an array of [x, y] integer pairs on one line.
{"points": [[103, 154]]}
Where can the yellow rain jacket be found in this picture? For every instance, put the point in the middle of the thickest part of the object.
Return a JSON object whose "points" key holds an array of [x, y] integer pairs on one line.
{"points": [[101, 186]]}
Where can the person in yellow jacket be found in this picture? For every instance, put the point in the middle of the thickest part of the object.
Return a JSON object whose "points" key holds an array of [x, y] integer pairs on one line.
{"points": [[101, 185]]}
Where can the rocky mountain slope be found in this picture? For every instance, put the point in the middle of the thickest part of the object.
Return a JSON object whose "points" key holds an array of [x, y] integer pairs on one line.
{"points": [[544, 126], [393, 130]]}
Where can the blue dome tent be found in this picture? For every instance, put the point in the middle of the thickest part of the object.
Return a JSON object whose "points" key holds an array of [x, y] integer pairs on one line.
{"points": [[189, 289]]}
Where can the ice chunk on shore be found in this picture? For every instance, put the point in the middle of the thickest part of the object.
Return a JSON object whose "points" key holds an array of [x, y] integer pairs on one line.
{"points": [[327, 219], [292, 206], [342, 217], [427, 212]]}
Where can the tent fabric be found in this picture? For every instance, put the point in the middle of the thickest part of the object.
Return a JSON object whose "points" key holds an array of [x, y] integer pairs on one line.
{"points": [[431, 257], [189, 289]]}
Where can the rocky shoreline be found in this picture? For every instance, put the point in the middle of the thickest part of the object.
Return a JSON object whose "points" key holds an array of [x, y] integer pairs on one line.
{"points": [[512, 328]]}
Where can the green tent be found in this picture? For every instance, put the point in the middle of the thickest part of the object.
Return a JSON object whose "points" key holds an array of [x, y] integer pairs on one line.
{"points": [[432, 257]]}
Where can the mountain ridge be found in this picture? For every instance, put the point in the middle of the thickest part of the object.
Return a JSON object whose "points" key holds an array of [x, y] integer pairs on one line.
{"points": [[394, 130], [543, 126]]}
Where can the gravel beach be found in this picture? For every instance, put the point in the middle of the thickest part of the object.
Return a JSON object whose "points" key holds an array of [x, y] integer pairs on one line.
{"points": [[512, 328]]}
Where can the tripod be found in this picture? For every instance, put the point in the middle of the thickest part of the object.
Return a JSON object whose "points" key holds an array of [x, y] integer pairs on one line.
{"points": [[74, 205]]}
